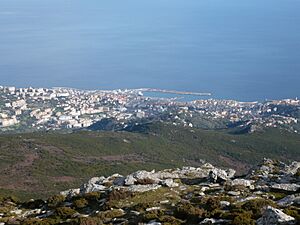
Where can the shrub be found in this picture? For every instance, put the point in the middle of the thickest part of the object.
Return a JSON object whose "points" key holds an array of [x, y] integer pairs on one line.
{"points": [[80, 203], [297, 174], [116, 195], [293, 211], [110, 214], [169, 220], [256, 206], [243, 219], [34, 204], [88, 221], [64, 212], [55, 201], [187, 211]]}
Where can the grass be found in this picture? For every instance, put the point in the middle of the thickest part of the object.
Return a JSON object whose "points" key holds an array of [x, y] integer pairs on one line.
{"points": [[41, 164]]}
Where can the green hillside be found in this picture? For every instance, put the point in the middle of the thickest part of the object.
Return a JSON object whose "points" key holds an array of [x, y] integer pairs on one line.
{"points": [[40, 164]]}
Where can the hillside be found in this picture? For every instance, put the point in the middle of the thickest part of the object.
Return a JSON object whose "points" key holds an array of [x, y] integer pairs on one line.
{"points": [[267, 195], [40, 164]]}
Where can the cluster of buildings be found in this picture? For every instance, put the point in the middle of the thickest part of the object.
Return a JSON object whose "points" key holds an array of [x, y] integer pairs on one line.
{"points": [[67, 108]]}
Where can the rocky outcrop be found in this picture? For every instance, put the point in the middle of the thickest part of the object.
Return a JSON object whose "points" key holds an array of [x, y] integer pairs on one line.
{"points": [[273, 216], [188, 195], [286, 187]]}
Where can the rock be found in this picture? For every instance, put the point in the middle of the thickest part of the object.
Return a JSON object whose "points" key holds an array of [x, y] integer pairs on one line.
{"points": [[241, 182], [162, 175], [143, 188], [289, 200], [70, 193], [230, 173], [17, 212], [152, 223], [224, 203], [286, 187], [219, 175], [214, 221], [119, 181], [249, 198], [153, 208], [93, 185], [129, 180], [293, 168], [141, 175], [273, 216], [234, 193], [169, 183]]}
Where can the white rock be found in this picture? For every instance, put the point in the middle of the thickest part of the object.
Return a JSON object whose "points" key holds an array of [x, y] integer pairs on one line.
{"points": [[93, 185], [70, 193], [169, 183], [17, 211], [214, 221], [224, 203], [289, 200], [234, 193], [152, 209], [286, 187], [143, 188], [241, 182], [273, 216], [129, 180], [152, 223]]}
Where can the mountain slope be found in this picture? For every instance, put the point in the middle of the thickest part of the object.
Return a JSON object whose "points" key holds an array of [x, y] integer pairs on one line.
{"points": [[49, 162]]}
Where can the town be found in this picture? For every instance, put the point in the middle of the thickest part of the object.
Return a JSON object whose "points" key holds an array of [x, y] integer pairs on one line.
{"points": [[32, 109]]}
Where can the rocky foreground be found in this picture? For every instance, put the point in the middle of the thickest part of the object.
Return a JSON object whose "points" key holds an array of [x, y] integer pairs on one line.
{"points": [[268, 194]]}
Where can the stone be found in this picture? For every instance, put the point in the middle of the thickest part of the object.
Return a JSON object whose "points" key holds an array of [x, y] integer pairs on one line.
{"points": [[241, 182], [169, 183], [119, 181], [224, 203], [93, 185], [289, 200], [143, 188], [70, 193], [152, 223], [216, 175], [273, 216], [153, 208], [234, 193], [17, 212], [286, 187], [293, 168], [141, 175], [129, 180], [214, 221]]}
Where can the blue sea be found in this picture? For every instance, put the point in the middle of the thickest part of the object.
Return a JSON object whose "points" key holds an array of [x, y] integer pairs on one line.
{"points": [[236, 49]]}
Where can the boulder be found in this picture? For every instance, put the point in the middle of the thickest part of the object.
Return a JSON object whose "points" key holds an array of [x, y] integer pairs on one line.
{"points": [[218, 175], [70, 193], [293, 168], [169, 183], [241, 182], [273, 216], [289, 200], [286, 187], [119, 181], [93, 185], [141, 175], [129, 180]]}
